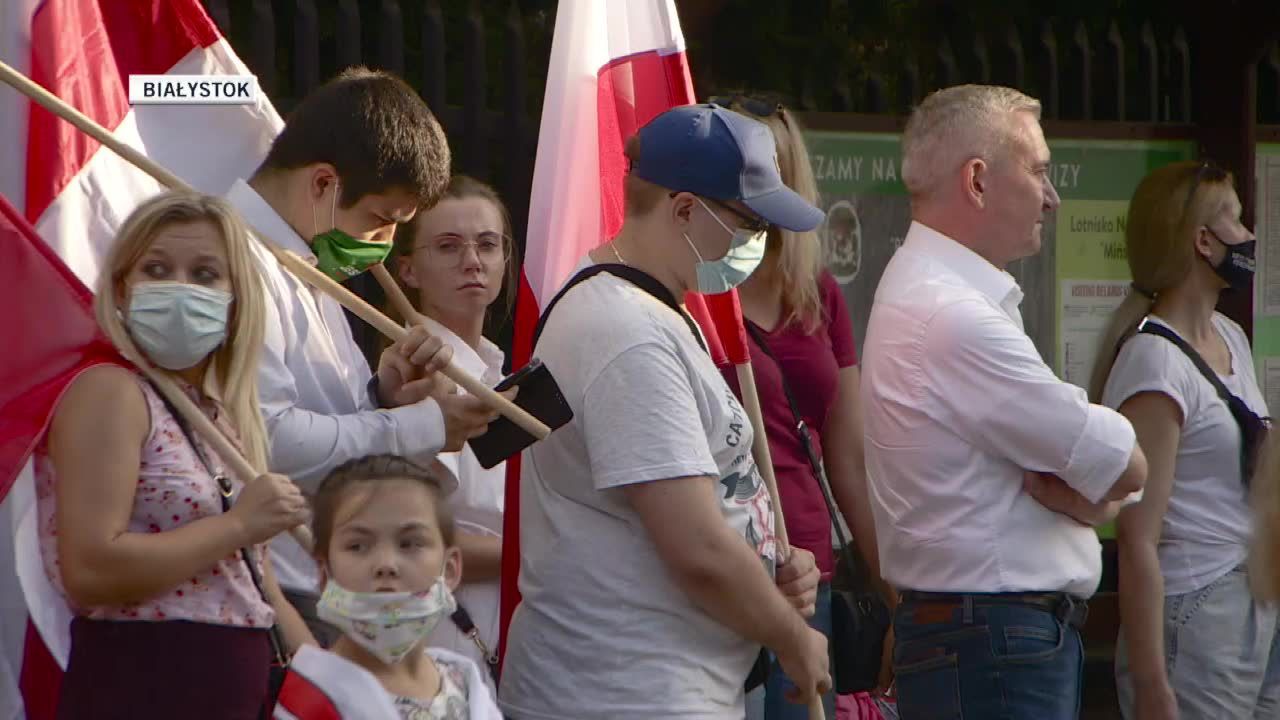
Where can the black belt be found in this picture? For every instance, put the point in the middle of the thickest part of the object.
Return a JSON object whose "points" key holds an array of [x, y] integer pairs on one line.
{"points": [[1070, 610]]}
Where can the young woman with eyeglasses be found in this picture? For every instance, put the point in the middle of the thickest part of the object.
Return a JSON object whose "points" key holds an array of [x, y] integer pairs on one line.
{"points": [[455, 260]]}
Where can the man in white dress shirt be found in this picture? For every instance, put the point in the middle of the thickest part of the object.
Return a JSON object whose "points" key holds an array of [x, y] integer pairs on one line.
{"points": [[987, 472], [357, 156]]}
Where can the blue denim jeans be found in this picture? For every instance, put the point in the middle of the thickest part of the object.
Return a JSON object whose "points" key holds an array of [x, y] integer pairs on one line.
{"points": [[770, 701], [985, 660]]}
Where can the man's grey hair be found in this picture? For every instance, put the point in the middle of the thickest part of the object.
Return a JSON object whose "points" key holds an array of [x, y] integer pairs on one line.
{"points": [[956, 124]]}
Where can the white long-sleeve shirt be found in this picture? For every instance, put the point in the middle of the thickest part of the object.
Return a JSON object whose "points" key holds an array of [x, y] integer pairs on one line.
{"points": [[313, 385], [957, 404]]}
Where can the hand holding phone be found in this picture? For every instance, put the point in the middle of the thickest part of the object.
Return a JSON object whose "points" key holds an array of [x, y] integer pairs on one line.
{"points": [[540, 396]]}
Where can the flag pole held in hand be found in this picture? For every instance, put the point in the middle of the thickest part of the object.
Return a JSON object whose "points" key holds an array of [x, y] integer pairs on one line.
{"points": [[222, 445], [345, 297], [395, 331], [725, 310]]}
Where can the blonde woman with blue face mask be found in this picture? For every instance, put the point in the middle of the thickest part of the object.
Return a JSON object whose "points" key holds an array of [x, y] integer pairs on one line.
{"points": [[133, 526]]}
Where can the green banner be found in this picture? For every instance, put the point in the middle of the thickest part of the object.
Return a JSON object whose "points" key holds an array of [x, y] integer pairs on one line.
{"points": [[1095, 179]]}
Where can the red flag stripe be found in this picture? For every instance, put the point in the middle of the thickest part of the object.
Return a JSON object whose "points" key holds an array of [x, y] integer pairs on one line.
{"points": [[724, 312], [50, 296], [84, 51], [302, 699]]}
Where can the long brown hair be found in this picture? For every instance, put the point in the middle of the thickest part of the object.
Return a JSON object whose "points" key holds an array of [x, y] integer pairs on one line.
{"points": [[1168, 206], [460, 187], [794, 257]]}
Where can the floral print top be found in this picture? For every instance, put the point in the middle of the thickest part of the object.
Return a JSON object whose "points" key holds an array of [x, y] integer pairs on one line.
{"points": [[448, 704], [174, 489]]}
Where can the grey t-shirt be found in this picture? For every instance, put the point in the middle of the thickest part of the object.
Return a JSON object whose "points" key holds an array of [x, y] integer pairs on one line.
{"points": [[603, 630], [1207, 526]]}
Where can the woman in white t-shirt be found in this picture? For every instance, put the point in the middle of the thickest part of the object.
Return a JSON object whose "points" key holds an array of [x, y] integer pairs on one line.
{"points": [[1194, 644], [646, 533], [456, 260]]}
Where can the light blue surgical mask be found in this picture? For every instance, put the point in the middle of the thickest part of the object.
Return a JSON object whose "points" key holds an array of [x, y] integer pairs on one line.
{"points": [[177, 324], [746, 252]]}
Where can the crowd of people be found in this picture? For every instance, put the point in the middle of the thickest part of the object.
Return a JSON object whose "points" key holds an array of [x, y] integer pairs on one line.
{"points": [[969, 476]]}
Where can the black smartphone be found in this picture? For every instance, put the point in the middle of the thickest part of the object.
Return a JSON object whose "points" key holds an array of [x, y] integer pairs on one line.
{"points": [[539, 396]]}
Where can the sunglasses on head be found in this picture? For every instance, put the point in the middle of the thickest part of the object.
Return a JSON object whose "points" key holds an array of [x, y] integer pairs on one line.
{"points": [[1208, 171], [756, 106]]}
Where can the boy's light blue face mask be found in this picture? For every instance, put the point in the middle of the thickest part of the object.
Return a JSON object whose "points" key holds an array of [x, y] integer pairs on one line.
{"points": [[746, 252]]}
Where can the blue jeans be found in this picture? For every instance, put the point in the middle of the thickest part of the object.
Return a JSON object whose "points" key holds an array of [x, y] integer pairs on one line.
{"points": [[985, 660], [770, 702]]}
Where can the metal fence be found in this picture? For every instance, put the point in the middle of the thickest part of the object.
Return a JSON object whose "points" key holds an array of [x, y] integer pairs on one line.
{"points": [[480, 65]]}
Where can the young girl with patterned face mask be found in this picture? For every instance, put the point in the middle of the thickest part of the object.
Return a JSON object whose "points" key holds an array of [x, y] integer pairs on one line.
{"points": [[385, 545]]}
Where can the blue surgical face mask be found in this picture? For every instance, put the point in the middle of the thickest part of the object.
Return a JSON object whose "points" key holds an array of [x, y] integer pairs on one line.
{"points": [[746, 252], [176, 324]]}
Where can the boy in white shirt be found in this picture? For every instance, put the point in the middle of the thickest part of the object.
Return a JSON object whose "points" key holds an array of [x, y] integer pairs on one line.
{"points": [[357, 156]]}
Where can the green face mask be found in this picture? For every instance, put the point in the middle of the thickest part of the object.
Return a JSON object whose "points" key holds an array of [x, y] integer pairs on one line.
{"points": [[341, 256]]}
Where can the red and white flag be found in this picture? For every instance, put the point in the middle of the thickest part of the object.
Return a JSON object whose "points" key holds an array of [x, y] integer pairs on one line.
{"points": [[76, 194], [615, 65]]}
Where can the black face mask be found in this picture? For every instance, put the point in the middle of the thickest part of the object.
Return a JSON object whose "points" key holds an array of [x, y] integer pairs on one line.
{"points": [[1237, 266]]}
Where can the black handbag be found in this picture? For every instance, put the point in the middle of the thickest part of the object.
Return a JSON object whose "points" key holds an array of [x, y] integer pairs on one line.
{"points": [[860, 617], [279, 658], [1253, 429]]}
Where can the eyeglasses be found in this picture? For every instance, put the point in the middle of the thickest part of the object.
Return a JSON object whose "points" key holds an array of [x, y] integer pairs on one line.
{"points": [[447, 251], [750, 223], [1208, 171]]}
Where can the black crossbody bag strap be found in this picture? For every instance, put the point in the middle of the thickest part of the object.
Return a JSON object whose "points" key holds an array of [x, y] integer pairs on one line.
{"points": [[806, 440], [640, 279], [859, 618], [1152, 328], [224, 494], [1235, 405], [461, 619]]}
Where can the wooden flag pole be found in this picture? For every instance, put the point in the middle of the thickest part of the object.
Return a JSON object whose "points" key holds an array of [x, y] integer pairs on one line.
{"points": [[299, 267], [222, 445], [764, 459], [395, 331], [396, 295]]}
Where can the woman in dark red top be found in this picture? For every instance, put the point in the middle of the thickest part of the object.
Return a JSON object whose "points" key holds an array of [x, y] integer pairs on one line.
{"points": [[799, 309]]}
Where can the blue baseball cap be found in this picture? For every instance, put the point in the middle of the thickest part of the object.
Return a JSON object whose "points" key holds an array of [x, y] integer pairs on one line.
{"points": [[715, 152]]}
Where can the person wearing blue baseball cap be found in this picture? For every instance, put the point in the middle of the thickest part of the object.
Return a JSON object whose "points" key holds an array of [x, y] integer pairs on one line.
{"points": [[648, 561]]}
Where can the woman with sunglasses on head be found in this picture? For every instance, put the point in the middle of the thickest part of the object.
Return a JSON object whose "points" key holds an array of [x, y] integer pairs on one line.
{"points": [[456, 260], [1193, 642], [795, 307]]}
